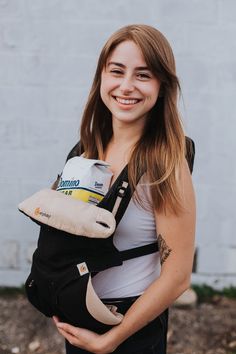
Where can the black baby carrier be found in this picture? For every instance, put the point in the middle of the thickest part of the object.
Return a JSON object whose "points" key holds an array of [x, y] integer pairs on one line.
{"points": [[63, 264]]}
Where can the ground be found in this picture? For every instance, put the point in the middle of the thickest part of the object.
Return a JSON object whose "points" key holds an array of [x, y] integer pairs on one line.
{"points": [[209, 328]]}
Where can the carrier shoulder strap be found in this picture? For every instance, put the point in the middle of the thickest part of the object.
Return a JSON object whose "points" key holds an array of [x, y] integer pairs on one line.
{"points": [[139, 251], [75, 151]]}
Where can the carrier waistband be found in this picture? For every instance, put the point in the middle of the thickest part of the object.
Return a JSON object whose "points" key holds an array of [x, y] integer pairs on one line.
{"points": [[120, 299]]}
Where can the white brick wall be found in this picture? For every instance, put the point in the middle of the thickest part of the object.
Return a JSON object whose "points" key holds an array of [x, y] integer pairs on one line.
{"points": [[48, 53]]}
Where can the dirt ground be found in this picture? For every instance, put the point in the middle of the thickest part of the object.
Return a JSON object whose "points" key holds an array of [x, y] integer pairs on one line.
{"points": [[209, 328]]}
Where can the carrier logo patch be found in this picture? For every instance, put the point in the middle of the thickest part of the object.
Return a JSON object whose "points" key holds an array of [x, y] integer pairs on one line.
{"points": [[38, 212], [82, 268]]}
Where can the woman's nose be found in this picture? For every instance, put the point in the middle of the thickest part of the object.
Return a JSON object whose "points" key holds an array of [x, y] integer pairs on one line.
{"points": [[127, 85]]}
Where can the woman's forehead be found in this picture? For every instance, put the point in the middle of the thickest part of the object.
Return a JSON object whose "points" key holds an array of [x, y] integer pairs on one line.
{"points": [[127, 53]]}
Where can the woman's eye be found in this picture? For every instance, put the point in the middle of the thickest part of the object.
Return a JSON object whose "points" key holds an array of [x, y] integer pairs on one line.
{"points": [[143, 76], [115, 71]]}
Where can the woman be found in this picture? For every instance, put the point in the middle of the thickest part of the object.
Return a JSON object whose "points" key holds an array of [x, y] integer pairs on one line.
{"points": [[131, 117]]}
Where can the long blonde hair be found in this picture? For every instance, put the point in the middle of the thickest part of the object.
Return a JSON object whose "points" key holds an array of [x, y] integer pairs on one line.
{"points": [[161, 147]]}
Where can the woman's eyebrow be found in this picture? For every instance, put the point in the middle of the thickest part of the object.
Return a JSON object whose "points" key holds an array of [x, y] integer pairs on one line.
{"points": [[123, 66]]}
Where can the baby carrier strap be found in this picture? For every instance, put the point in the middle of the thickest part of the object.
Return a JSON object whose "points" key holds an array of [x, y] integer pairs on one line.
{"points": [[118, 197], [139, 251], [75, 151], [118, 207]]}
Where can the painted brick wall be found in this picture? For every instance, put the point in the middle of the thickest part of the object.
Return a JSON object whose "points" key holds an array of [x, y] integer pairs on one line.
{"points": [[48, 53]]}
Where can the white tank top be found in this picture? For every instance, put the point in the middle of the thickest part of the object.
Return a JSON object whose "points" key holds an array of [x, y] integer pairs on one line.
{"points": [[136, 228]]}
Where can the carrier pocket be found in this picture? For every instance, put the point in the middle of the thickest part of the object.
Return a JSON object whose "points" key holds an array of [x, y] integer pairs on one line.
{"points": [[79, 305], [38, 296]]}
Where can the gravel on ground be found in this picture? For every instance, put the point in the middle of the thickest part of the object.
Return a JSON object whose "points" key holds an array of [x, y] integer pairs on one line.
{"points": [[208, 328]]}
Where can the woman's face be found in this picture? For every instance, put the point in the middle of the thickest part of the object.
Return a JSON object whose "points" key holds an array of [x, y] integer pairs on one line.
{"points": [[128, 88]]}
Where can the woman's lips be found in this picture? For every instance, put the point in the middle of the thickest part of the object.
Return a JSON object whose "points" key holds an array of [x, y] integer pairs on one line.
{"points": [[126, 101]]}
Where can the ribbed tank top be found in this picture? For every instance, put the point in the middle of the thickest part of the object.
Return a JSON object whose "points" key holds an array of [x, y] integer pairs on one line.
{"points": [[137, 228]]}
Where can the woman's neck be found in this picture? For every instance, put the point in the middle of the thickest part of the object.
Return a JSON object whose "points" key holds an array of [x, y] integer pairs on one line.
{"points": [[125, 134], [119, 148]]}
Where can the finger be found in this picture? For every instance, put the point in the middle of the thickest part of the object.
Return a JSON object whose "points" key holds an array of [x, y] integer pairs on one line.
{"points": [[69, 337], [68, 328], [55, 319]]}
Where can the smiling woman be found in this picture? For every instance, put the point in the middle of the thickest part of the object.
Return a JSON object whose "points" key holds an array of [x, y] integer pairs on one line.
{"points": [[131, 121]]}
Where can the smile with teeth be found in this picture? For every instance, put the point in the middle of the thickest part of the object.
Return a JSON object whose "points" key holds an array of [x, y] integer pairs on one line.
{"points": [[126, 101]]}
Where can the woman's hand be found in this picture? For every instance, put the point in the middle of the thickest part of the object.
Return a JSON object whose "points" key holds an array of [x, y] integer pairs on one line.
{"points": [[85, 339]]}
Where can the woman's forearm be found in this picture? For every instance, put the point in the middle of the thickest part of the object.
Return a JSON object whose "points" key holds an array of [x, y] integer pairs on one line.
{"points": [[157, 297]]}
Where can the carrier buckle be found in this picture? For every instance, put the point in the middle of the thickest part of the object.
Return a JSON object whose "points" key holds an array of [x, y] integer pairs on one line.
{"points": [[122, 189], [120, 194]]}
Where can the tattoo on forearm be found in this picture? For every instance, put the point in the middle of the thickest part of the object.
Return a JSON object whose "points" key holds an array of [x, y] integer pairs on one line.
{"points": [[164, 249]]}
